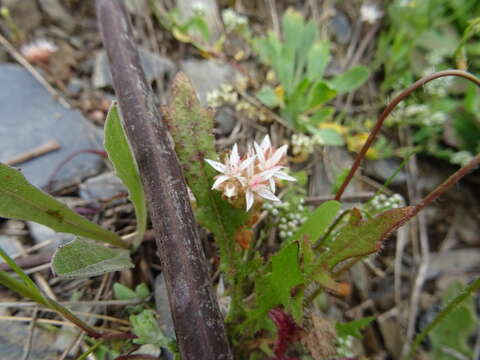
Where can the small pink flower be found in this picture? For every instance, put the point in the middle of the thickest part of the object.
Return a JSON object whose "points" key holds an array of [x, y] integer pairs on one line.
{"points": [[252, 176], [269, 159]]}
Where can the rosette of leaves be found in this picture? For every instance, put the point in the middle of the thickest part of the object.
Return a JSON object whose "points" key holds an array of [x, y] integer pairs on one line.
{"points": [[299, 61]]}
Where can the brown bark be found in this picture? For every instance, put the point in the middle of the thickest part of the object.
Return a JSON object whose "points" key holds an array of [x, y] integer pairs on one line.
{"points": [[198, 323]]}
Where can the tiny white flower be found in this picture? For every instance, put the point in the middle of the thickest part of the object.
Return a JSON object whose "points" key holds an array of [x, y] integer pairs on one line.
{"points": [[269, 159], [370, 13]]}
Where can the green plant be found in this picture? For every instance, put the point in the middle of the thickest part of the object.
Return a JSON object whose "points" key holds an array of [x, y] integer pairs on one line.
{"points": [[423, 37], [299, 61]]}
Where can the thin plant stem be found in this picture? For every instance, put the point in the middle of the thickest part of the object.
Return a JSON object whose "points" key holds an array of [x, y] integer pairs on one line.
{"points": [[451, 306], [389, 109]]}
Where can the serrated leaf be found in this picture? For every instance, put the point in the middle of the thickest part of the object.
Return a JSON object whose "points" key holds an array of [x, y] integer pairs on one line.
{"points": [[191, 127], [121, 156], [351, 79], [84, 258], [21, 200], [361, 237], [352, 328], [275, 288], [318, 222]]}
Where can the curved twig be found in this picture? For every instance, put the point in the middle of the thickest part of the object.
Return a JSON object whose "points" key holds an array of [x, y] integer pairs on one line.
{"points": [[389, 109]]}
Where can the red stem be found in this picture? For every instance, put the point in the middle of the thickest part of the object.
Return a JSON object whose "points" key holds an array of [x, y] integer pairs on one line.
{"points": [[388, 110]]}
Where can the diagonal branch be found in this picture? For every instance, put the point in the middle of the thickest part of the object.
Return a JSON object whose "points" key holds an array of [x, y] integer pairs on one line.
{"points": [[198, 323]]}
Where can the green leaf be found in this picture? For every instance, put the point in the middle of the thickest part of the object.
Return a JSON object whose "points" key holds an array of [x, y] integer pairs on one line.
{"points": [[121, 156], [84, 258], [319, 94], [318, 222], [352, 328], [361, 237], [268, 97], [18, 270], [122, 292], [21, 200], [322, 115], [191, 127], [350, 80], [327, 136], [454, 329], [275, 288], [148, 331], [318, 59]]}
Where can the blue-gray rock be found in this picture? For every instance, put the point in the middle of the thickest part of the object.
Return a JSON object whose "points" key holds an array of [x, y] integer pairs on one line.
{"points": [[209, 11], [41, 233], [155, 66], [30, 117], [382, 169], [9, 245], [102, 187], [209, 75], [341, 28], [13, 336]]}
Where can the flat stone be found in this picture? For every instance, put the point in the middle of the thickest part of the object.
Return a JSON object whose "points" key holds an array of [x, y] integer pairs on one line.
{"points": [[154, 65], [210, 13], [342, 30], [382, 169], [208, 75], [9, 245], [102, 187], [13, 336], [453, 262], [31, 118], [41, 233]]}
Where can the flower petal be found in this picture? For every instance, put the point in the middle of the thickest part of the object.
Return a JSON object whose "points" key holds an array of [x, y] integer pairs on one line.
{"points": [[234, 157], [260, 152], [230, 191], [266, 144], [272, 184], [245, 163], [220, 179], [249, 197], [283, 176], [278, 155], [267, 194], [217, 165]]}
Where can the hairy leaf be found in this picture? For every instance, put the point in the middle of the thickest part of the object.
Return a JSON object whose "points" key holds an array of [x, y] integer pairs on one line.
{"points": [[275, 288], [84, 258], [121, 156], [191, 127], [351, 79], [352, 328], [361, 237], [21, 200]]}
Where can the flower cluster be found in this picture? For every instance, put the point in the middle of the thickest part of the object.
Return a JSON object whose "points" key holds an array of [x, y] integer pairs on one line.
{"points": [[382, 202], [253, 176], [226, 94], [289, 215]]}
